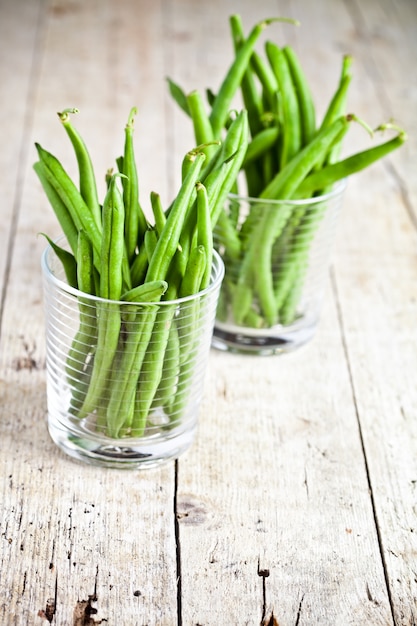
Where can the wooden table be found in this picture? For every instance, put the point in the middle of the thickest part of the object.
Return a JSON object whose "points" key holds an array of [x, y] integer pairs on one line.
{"points": [[297, 503]]}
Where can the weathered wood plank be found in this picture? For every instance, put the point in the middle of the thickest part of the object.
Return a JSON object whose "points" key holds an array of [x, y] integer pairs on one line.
{"points": [[274, 499], [375, 279], [74, 535], [18, 35], [280, 497]]}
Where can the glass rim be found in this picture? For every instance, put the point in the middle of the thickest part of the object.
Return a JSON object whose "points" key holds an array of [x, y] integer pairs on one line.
{"points": [[339, 187], [61, 284]]}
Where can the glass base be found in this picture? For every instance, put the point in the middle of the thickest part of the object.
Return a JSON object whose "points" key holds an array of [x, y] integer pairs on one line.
{"points": [[134, 454], [265, 342]]}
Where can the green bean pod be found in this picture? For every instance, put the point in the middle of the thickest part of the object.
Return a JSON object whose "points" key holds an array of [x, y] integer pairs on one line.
{"points": [[158, 212], [336, 108], [204, 232], [83, 345], [64, 187], [112, 247], [59, 207], [165, 393], [194, 272], [235, 146], [291, 120], [150, 241], [111, 284], [286, 182], [88, 185], [135, 221], [337, 104], [232, 80], [152, 369], [268, 81], [304, 97], [148, 292], [139, 327], [261, 144], [251, 98], [190, 311], [139, 266], [270, 227], [324, 178], [169, 238], [203, 131]]}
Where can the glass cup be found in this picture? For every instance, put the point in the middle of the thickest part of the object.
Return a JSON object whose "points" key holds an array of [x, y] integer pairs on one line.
{"points": [[276, 255], [124, 380]]}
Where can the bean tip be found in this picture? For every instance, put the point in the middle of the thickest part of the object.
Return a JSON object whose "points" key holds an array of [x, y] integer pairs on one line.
{"points": [[391, 125], [272, 20], [131, 118], [64, 115]]}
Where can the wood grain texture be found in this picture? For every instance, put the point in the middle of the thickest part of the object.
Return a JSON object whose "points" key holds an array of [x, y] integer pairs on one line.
{"points": [[297, 503]]}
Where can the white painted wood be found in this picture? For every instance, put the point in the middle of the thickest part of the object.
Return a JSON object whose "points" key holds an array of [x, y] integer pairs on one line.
{"points": [[71, 533], [297, 502], [18, 37]]}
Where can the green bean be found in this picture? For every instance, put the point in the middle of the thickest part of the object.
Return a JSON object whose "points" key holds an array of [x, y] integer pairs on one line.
{"points": [[267, 79], [235, 147], [152, 368], [288, 311], [286, 182], [324, 178], [166, 248], [269, 228], [88, 185], [158, 212], [186, 164], [150, 241], [203, 131], [135, 221], [111, 284], [125, 374], [260, 144], [82, 347], [169, 238], [139, 266], [251, 98], [110, 172], [139, 325], [204, 232], [190, 157], [336, 108], [148, 292], [230, 84], [191, 284], [242, 298], [228, 237], [305, 99], [165, 393], [112, 248], [285, 280], [291, 127], [60, 209], [175, 273], [194, 271], [62, 184]]}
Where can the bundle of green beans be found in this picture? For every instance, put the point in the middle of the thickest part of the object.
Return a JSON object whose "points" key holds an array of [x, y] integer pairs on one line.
{"points": [[289, 156], [117, 254]]}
